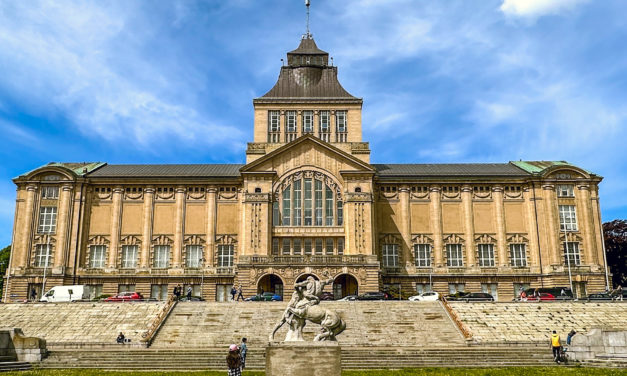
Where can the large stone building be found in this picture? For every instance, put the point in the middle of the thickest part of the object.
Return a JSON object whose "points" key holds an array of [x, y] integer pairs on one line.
{"points": [[307, 202]]}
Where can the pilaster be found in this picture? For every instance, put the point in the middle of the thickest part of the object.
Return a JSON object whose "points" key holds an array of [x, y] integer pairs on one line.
{"points": [[468, 225], [27, 231], [149, 197], [211, 226], [586, 227], [178, 230], [532, 227], [405, 224], [551, 211], [501, 240], [115, 227], [436, 224], [62, 229]]}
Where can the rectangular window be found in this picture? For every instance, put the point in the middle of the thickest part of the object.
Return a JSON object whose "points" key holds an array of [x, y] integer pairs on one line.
{"points": [[307, 121], [325, 131], [95, 291], [492, 289], [126, 288], [286, 207], [290, 125], [159, 292], [329, 246], [572, 254], [43, 255], [456, 287], [421, 288], [161, 256], [319, 245], [308, 202], [129, 256], [297, 246], [307, 246], [486, 254], [340, 213], [318, 193], [297, 203], [340, 246], [276, 217], [568, 218], [340, 121], [517, 255], [225, 256], [389, 255], [422, 255], [286, 246], [97, 255], [275, 246], [273, 126], [565, 190], [50, 192], [454, 255], [47, 220], [194, 256], [328, 210]]}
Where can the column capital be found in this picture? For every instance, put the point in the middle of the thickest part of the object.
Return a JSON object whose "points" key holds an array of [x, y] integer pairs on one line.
{"points": [[403, 189], [466, 188], [435, 188], [67, 187], [31, 187], [149, 190], [118, 189], [583, 186], [212, 190], [548, 187], [497, 188], [180, 189]]}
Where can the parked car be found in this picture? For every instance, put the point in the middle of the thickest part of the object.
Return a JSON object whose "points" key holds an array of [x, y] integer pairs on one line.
{"points": [[459, 295], [125, 297], [327, 296], [373, 296], [194, 299], [265, 297], [599, 296], [66, 294], [477, 297], [348, 298], [556, 292], [544, 296], [430, 296]]}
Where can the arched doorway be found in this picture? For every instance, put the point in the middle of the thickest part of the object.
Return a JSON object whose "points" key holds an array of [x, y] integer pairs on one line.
{"points": [[270, 283], [343, 285], [304, 277]]}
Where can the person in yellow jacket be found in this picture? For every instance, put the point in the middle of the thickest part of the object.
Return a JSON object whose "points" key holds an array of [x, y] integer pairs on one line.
{"points": [[556, 345]]}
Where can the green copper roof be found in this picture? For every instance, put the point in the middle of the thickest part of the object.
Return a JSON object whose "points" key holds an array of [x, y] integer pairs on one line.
{"points": [[80, 168], [536, 167]]}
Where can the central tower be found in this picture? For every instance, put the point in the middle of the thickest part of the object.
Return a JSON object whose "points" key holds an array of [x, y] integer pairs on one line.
{"points": [[307, 99]]}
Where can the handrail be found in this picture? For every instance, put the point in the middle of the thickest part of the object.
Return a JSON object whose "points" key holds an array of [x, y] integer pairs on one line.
{"points": [[455, 317], [162, 315]]}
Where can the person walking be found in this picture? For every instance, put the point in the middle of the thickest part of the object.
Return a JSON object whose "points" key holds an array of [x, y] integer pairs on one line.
{"points": [[189, 293], [570, 336], [243, 349], [234, 361], [33, 294], [177, 292], [555, 345], [619, 293], [239, 293], [233, 292]]}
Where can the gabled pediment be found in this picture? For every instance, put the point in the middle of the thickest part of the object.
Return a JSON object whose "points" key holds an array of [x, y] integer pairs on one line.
{"points": [[307, 150]]}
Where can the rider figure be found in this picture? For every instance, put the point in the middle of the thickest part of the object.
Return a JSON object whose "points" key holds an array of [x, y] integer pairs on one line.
{"points": [[313, 290]]}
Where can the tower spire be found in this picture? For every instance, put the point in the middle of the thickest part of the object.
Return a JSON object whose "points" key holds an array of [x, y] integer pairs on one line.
{"points": [[307, 4]]}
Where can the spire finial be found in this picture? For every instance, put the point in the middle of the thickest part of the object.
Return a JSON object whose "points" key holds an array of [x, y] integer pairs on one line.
{"points": [[307, 4]]}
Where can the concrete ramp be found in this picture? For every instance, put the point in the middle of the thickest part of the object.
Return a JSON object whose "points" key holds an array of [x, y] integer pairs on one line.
{"points": [[384, 323]]}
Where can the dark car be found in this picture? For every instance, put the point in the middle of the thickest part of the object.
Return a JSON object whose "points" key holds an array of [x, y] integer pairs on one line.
{"points": [[599, 296], [477, 297], [327, 296], [194, 299], [373, 296], [265, 297], [459, 295]]}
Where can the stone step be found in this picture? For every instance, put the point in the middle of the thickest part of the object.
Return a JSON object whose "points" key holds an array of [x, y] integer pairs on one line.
{"points": [[14, 366]]}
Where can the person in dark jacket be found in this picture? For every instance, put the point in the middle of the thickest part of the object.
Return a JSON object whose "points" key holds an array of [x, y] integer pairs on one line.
{"points": [[120, 338], [243, 350], [233, 292], [234, 361], [570, 336]]}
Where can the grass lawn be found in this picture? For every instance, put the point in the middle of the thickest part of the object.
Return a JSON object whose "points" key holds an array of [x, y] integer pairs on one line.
{"points": [[532, 371]]}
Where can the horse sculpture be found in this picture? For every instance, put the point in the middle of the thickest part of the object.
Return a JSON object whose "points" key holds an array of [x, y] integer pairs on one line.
{"points": [[300, 310]]}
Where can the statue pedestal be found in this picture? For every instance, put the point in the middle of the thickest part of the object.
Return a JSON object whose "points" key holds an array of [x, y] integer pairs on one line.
{"points": [[303, 359]]}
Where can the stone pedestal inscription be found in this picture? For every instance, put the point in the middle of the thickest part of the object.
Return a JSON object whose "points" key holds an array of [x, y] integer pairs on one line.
{"points": [[303, 359]]}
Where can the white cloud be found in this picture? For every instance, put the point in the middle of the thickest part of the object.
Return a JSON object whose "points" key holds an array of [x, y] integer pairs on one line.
{"points": [[537, 8]]}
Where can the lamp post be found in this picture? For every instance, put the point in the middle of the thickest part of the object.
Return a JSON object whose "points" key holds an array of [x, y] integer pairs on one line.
{"points": [[202, 278]]}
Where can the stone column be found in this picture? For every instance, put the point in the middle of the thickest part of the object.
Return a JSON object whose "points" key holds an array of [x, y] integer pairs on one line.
{"points": [[532, 230], [115, 227], [178, 229], [596, 220], [282, 127], [469, 229], [211, 225], [149, 197], [405, 224], [501, 241], [436, 223], [27, 233], [585, 224], [316, 123], [332, 124], [299, 123], [551, 211], [62, 228]]}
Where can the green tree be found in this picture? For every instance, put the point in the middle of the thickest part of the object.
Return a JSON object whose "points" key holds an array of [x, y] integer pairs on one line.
{"points": [[5, 253], [616, 250]]}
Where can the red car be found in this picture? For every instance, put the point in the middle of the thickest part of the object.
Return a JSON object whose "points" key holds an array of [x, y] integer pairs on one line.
{"points": [[544, 296], [125, 297]]}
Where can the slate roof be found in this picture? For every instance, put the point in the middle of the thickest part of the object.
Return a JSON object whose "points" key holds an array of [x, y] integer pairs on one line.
{"points": [[307, 46], [450, 170], [168, 171]]}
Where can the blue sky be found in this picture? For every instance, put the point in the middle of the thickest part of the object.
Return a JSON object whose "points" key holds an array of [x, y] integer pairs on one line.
{"points": [[442, 81]]}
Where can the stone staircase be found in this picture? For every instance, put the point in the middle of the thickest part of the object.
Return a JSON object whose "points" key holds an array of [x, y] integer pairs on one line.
{"points": [[8, 363], [376, 323], [526, 322], [352, 358], [80, 324]]}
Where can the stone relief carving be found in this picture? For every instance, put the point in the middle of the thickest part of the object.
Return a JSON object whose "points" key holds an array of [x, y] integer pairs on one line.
{"points": [[451, 192], [227, 239], [162, 240], [517, 238], [453, 239], [98, 240], [484, 239], [194, 240], [421, 239], [130, 240], [482, 192], [419, 192], [288, 180]]}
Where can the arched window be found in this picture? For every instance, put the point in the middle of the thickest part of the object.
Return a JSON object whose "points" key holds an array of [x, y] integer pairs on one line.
{"points": [[308, 199]]}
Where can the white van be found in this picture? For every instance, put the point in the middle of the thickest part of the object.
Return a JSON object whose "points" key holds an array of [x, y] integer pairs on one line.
{"points": [[66, 294]]}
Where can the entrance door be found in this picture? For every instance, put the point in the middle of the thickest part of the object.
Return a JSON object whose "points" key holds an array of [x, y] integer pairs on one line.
{"points": [[159, 292], [37, 288]]}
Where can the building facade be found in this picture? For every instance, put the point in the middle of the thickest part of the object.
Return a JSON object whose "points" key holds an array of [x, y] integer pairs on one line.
{"points": [[307, 202]]}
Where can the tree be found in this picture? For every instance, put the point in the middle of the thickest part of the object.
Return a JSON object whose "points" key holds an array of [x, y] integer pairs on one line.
{"points": [[5, 253], [616, 250]]}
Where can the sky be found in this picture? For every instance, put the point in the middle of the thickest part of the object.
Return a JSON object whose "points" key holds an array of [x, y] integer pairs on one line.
{"points": [[442, 81]]}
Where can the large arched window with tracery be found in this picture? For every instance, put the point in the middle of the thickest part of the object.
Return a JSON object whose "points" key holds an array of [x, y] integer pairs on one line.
{"points": [[308, 198]]}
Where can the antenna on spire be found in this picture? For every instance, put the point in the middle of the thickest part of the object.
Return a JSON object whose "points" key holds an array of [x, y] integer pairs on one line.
{"points": [[307, 4]]}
